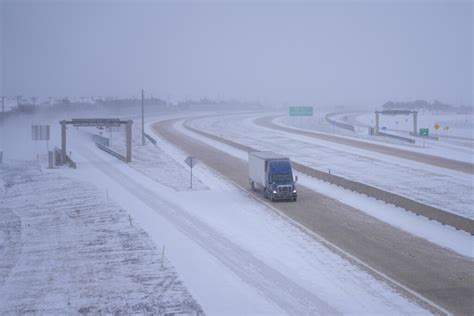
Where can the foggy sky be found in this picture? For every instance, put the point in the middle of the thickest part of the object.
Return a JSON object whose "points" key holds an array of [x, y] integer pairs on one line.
{"points": [[312, 53]]}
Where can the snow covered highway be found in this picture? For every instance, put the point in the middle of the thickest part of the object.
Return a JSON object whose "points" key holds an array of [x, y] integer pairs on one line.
{"points": [[442, 188], [246, 259], [236, 158], [268, 122], [414, 262]]}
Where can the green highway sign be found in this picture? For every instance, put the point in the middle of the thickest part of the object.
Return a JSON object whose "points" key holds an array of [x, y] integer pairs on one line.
{"points": [[300, 110], [424, 131]]}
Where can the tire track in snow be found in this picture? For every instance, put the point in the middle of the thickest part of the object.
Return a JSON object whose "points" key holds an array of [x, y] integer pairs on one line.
{"points": [[284, 292]]}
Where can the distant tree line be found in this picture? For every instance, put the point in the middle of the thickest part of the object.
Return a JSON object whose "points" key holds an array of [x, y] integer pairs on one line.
{"points": [[435, 106], [65, 104]]}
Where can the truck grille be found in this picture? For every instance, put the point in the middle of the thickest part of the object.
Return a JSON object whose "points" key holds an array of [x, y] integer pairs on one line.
{"points": [[284, 189]]}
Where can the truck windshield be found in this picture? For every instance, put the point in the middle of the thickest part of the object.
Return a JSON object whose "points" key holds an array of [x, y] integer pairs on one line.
{"points": [[280, 171]]}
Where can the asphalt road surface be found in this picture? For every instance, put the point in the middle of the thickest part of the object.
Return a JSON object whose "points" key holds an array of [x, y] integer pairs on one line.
{"points": [[435, 273]]}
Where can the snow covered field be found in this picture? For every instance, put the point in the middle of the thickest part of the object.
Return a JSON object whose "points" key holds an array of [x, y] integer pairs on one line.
{"points": [[65, 249], [442, 188]]}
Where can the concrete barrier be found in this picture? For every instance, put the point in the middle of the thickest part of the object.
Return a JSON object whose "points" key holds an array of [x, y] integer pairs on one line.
{"points": [[427, 137], [70, 162], [112, 152], [328, 119], [104, 141], [103, 144], [432, 213], [404, 139], [151, 139]]}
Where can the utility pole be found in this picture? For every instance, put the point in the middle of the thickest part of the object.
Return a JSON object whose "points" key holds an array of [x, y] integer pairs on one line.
{"points": [[143, 121], [18, 100], [3, 104]]}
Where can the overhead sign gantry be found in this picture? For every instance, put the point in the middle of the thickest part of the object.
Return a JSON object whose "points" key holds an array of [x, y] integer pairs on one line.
{"points": [[397, 112], [98, 122]]}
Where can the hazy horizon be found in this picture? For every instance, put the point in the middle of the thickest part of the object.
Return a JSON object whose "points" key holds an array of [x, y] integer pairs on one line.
{"points": [[314, 53]]}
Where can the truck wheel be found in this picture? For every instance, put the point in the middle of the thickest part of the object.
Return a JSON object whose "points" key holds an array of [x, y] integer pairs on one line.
{"points": [[252, 185]]}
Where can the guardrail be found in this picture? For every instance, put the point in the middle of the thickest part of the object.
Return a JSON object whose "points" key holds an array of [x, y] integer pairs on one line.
{"points": [[338, 124], [432, 213]]}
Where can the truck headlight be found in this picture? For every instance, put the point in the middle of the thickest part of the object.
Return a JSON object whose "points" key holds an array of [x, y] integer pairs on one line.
{"points": [[294, 191], [274, 192]]}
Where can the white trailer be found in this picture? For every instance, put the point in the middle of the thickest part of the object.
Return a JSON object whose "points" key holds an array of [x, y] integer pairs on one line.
{"points": [[272, 173]]}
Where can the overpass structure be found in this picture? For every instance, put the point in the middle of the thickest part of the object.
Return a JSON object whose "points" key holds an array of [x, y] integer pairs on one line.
{"points": [[98, 122]]}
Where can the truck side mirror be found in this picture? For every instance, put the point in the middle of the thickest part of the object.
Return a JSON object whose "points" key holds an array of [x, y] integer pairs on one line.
{"points": [[296, 178]]}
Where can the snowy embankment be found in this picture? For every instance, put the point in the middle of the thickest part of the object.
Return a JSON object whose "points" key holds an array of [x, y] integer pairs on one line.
{"points": [[65, 249], [442, 188]]}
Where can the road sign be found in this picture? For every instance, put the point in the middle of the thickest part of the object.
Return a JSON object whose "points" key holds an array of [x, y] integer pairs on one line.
{"points": [[300, 111], [436, 125], [424, 132], [40, 132], [191, 161]]}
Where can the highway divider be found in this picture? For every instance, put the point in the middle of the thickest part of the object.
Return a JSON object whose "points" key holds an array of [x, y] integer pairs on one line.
{"points": [[103, 143], [404, 139], [150, 138], [328, 119], [432, 213]]}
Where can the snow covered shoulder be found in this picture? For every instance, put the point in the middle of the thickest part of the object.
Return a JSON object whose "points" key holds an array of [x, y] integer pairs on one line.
{"points": [[65, 249]]}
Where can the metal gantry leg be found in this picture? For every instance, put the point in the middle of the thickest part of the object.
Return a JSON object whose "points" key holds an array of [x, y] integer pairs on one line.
{"points": [[129, 140], [63, 141], [415, 123], [376, 123]]}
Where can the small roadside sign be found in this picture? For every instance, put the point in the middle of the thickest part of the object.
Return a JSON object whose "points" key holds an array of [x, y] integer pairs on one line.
{"points": [[436, 126], [300, 111], [424, 132], [191, 162], [40, 132]]}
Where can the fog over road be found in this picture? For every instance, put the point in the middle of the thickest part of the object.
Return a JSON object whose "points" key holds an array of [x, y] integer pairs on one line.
{"points": [[437, 274]]}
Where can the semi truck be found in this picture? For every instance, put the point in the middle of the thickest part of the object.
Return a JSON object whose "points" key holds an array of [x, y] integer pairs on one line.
{"points": [[272, 173]]}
